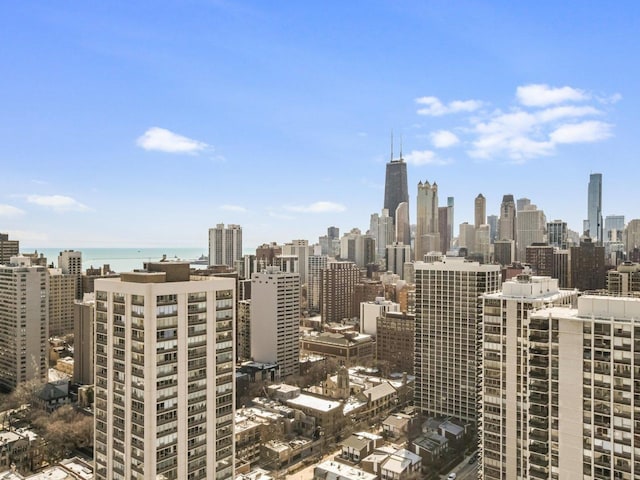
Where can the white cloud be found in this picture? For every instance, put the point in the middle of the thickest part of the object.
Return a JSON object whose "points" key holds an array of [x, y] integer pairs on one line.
{"points": [[163, 140], [425, 157], [433, 107], [541, 95], [584, 132], [58, 203], [10, 211], [444, 139], [317, 207], [280, 216], [233, 208]]}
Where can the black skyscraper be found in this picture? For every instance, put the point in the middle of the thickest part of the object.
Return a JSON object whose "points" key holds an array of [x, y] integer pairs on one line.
{"points": [[395, 193]]}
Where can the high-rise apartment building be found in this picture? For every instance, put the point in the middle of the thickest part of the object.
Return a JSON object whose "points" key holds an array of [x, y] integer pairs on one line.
{"points": [[317, 263], [225, 244], [516, 376], [594, 208], [396, 256], [504, 252], [358, 248], [540, 257], [8, 248], [507, 220], [395, 340], [624, 280], [337, 288], [24, 322], [557, 234], [383, 231], [447, 310], [480, 211], [587, 266], [62, 295], [562, 268], [444, 229], [275, 319], [482, 242], [303, 251], [427, 236], [403, 226], [492, 220], [70, 263], [562, 403], [467, 237], [522, 203], [632, 235], [530, 228], [266, 254], [164, 382]]}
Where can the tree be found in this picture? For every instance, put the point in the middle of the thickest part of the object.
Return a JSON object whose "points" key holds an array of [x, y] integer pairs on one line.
{"points": [[65, 429]]}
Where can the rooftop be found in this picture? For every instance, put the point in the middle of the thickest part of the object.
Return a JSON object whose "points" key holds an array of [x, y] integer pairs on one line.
{"points": [[315, 403]]}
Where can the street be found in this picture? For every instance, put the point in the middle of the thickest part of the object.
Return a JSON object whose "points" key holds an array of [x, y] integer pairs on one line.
{"points": [[464, 470]]}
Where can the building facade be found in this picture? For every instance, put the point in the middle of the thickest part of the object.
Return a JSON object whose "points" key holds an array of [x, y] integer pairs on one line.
{"points": [[164, 382], [337, 288], [8, 248], [225, 244], [594, 208], [24, 323], [510, 451], [447, 312], [275, 319], [396, 192]]}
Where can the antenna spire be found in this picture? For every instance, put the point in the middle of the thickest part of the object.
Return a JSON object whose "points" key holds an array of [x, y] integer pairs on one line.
{"points": [[392, 144], [400, 147]]}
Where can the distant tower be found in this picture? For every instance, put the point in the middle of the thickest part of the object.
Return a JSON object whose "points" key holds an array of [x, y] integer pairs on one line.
{"points": [[480, 210], [531, 224], [275, 319], [8, 248], [70, 262], [507, 220], [522, 203], [24, 322], [397, 192], [557, 234], [427, 236], [337, 287], [450, 212], [225, 244], [492, 220], [594, 207]]}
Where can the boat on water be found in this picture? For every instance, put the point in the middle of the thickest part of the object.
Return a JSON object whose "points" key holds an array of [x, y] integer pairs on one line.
{"points": [[201, 260]]}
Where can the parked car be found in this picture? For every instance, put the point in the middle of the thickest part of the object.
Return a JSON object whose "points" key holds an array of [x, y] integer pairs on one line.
{"points": [[452, 476]]}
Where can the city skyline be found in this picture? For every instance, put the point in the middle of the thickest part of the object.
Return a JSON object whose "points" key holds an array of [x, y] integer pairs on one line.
{"points": [[123, 121]]}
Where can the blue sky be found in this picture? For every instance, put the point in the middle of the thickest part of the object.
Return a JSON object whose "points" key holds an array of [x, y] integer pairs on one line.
{"points": [[145, 123]]}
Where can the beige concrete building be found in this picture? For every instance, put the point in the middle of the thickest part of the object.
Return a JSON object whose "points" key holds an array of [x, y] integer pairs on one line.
{"points": [[275, 319], [427, 224], [581, 394], [70, 263], [225, 244], [349, 349], [447, 310], [24, 322], [530, 226], [625, 279], [164, 383], [507, 351], [62, 295]]}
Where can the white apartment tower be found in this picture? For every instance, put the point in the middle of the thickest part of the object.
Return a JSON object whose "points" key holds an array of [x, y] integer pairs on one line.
{"points": [[164, 375], [275, 319], [225, 244], [506, 352], [24, 322], [70, 262], [447, 312], [531, 224], [577, 414]]}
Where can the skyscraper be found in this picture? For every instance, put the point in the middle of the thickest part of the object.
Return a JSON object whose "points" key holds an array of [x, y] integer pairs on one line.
{"points": [[70, 262], [531, 224], [507, 220], [587, 266], [480, 210], [383, 231], [514, 363], [427, 236], [164, 385], [447, 310], [594, 207], [444, 229], [492, 221], [396, 192], [275, 319], [559, 396], [24, 322], [397, 254], [557, 234], [8, 248], [337, 287], [225, 244]]}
